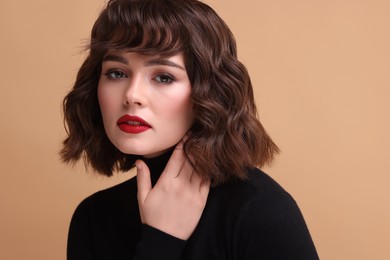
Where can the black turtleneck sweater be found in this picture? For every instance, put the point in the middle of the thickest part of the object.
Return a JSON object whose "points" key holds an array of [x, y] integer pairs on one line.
{"points": [[253, 219]]}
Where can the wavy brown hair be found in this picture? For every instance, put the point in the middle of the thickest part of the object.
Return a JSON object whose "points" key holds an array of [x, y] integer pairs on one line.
{"points": [[226, 137]]}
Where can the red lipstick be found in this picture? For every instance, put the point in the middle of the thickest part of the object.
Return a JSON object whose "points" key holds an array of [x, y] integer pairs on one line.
{"points": [[132, 124]]}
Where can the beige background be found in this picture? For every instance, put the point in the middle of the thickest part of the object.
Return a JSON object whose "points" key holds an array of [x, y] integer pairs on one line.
{"points": [[321, 76]]}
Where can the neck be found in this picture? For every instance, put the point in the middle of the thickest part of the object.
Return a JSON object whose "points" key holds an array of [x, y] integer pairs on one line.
{"points": [[157, 164]]}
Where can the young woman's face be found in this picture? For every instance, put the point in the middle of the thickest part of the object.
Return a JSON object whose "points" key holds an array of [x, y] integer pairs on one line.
{"points": [[145, 102]]}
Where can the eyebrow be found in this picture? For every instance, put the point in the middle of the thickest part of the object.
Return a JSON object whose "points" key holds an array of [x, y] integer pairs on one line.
{"points": [[163, 62], [153, 62], [117, 58]]}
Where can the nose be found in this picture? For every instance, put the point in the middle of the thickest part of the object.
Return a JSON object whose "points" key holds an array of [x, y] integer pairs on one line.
{"points": [[136, 92]]}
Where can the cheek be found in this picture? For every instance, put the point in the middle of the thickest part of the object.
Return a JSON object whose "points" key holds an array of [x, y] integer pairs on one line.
{"points": [[106, 101], [108, 110], [174, 110], [101, 98], [182, 113]]}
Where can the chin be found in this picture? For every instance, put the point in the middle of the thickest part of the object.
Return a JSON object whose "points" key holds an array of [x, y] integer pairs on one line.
{"points": [[143, 153]]}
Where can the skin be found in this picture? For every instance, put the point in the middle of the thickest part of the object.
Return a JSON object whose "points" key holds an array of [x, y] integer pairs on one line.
{"points": [[175, 204], [158, 91]]}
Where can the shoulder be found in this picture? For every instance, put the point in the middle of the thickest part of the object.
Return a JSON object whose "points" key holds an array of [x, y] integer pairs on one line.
{"points": [[264, 198], [271, 217], [114, 198], [257, 205], [103, 219], [261, 183], [264, 191], [259, 201], [259, 189]]}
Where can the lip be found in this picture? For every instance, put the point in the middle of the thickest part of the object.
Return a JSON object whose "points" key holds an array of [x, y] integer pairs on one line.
{"points": [[132, 124]]}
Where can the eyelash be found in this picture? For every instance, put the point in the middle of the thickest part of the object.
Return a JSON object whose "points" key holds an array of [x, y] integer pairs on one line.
{"points": [[164, 78], [110, 74], [161, 78]]}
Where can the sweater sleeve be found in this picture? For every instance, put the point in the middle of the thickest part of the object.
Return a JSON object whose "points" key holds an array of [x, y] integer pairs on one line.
{"points": [[156, 245], [273, 229], [84, 245]]}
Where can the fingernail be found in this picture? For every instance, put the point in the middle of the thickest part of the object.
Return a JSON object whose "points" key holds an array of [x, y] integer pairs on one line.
{"points": [[138, 166]]}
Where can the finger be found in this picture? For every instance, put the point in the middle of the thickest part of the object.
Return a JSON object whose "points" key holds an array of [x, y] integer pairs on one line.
{"points": [[186, 171], [175, 163], [144, 183], [195, 178], [204, 187], [186, 136], [199, 182]]}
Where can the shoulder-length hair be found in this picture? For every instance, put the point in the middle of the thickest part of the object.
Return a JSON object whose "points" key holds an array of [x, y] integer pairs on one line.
{"points": [[226, 137]]}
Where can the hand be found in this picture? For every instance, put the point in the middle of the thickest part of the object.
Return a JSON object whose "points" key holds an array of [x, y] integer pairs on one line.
{"points": [[175, 204]]}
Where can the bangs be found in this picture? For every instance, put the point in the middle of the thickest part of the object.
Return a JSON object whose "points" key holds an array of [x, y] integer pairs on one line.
{"points": [[146, 27]]}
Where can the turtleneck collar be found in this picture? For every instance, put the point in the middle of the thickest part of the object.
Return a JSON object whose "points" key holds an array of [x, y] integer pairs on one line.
{"points": [[157, 164]]}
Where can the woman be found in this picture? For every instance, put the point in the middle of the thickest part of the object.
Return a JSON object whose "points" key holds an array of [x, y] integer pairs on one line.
{"points": [[162, 90]]}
